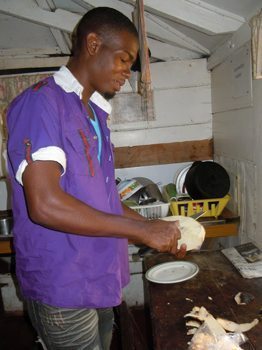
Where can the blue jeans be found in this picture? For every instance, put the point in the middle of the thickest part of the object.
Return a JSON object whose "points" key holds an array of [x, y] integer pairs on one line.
{"points": [[72, 329]]}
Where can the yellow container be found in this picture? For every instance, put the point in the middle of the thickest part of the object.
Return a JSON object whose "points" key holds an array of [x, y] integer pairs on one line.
{"points": [[211, 207]]}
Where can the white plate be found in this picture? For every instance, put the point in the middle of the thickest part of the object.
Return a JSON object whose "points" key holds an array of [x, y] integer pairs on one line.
{"points": [[180, 179], [172, 272]]}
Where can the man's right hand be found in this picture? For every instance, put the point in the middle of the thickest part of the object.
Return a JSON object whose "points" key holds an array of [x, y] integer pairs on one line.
{"points": [[163, 236]]}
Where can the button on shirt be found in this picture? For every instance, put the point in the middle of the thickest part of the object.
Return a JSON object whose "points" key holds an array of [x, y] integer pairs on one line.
{"points": [[58, 268]]}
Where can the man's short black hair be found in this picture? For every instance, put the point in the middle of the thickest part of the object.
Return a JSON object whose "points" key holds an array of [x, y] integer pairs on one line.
{"points": [[105, 21]]}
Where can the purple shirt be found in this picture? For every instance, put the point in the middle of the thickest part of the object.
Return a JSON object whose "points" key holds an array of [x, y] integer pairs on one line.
{"points": [[58, 268]]}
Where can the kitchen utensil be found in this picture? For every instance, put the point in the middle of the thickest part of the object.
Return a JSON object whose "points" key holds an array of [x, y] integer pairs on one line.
{"points": [[198, 215], [6, 225], [127, 188], [206, 180], [180, 180]]}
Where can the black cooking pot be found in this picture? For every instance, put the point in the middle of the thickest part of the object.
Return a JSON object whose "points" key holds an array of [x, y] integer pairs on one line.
{"points": [[207, 180]]}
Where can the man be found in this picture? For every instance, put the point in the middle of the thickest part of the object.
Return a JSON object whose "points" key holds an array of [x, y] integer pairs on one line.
{"points": [[71, 231]]}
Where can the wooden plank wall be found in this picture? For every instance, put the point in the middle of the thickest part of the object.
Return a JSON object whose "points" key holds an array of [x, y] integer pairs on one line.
{"points": [[163, 153]]}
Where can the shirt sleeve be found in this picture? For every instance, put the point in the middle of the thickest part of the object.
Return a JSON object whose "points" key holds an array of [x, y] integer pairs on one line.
{"points": [[48, 153], [34, 117]]}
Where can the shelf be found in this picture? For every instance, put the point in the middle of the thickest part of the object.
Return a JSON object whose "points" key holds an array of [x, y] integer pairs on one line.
{"points": [[6, 245], [225, 225]]}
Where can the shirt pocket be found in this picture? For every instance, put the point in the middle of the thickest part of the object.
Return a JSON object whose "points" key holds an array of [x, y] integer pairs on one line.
{"points": [[81, 151]]}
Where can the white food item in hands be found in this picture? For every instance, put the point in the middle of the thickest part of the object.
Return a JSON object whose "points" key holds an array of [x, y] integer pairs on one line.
{"points": [[192, 232]]}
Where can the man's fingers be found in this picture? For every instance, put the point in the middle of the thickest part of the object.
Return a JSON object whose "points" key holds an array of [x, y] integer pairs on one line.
{"points": [[173, 248], [181, 252], [183, 247]]}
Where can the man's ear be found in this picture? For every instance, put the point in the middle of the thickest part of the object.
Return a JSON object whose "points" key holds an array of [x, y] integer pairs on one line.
{"points": [[93, 43]]}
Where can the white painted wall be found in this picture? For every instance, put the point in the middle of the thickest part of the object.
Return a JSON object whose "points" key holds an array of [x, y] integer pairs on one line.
{"points": [[237, 129], [182, 102]]}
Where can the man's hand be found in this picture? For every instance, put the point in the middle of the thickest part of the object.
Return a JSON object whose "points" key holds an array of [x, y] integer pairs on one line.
{"points": [[163, 236]]}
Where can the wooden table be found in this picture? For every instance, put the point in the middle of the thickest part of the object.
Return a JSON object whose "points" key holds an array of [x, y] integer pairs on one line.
{"points": [[214, 287]]}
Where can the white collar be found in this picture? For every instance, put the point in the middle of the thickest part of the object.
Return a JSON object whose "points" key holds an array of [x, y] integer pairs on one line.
{"points": [[66, 80]]}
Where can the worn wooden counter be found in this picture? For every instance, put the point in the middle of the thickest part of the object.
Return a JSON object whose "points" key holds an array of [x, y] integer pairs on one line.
{"points": [[214, 287]]}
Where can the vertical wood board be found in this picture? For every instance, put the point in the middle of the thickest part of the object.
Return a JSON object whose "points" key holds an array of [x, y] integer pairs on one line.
{"points": [[232, 82], [234, 133]]}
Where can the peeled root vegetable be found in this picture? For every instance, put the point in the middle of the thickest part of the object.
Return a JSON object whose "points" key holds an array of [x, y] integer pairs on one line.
{"points": [[231, 326]]}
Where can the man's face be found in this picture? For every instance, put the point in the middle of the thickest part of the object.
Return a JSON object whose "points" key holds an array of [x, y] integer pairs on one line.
{"points": [[112, 63]]}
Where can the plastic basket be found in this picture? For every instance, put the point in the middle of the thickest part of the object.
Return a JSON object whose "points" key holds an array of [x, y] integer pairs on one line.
{"points": [[211, 207], [152, 211]]}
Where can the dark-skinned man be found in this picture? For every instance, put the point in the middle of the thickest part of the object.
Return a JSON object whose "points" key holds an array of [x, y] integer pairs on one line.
{"points": [[71, 231]]}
